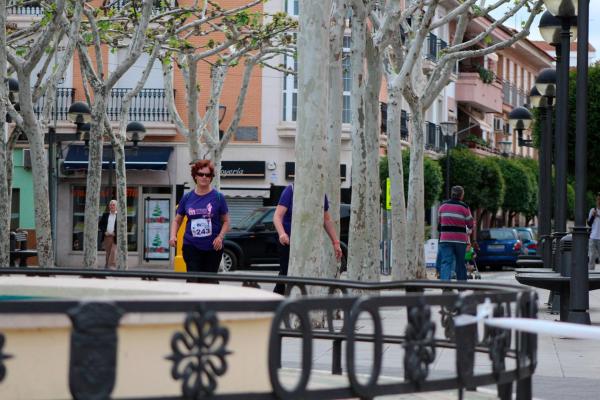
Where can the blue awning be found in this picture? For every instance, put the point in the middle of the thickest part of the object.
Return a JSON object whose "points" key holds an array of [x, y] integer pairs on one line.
{"points": [[155, 158]]}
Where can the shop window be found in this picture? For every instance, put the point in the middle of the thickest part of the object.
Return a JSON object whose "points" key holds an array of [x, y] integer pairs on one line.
{"points": [[78, 193], [15, 209]]}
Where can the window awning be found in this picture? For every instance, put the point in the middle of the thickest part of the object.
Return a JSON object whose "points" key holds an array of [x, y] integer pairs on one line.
{"points": [[153, 158], [241, 193]]}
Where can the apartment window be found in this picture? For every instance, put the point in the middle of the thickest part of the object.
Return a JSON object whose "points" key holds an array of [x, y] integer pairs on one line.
{"points": [[290, 86], [292, 7], [404, 125], [15, 209], [290, 91], [347, 80]]}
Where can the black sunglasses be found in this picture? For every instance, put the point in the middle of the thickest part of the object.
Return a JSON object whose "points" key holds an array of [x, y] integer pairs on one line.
{"points": [[202, 174]]}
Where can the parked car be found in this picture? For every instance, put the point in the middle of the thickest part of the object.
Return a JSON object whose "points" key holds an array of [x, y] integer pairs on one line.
{"points": [[498, 247], [253, 241], [527, 237]]}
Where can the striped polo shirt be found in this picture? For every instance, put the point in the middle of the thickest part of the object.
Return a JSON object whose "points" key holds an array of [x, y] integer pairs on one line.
{"points": [[454, 219]]}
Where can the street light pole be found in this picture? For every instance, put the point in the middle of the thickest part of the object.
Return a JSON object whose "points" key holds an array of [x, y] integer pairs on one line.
{"points": [[579, 301], [447, 168], [449, 131], [562, 126]]}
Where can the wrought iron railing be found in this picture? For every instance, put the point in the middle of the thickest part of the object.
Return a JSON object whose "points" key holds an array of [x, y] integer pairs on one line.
{"points": [[150, 105], [506, 91], [23, 8], [433, 310], [60, 108]]}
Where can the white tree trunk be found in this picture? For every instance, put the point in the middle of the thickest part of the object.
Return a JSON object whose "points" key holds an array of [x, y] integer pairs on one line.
{"points": [[416, 193], [331, 267], [363, 249], [121, 182], [358, 242], [372, 133], [5, 203], [191, 76], [307, 215], [93, 183], [39, 171], [396, 172]]}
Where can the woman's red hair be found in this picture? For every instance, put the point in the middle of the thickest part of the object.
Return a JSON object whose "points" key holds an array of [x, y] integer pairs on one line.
{"points": [[200, 164]]}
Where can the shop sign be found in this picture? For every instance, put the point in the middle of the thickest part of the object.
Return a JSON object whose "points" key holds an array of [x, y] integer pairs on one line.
{"points": [[242, 169], [156, 227]]}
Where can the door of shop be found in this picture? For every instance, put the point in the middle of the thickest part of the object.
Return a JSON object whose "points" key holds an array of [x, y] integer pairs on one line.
{"points": [[157, 212]]}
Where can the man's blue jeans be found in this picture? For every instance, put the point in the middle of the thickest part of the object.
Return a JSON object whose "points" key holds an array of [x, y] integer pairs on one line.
{"points": [[453, 255]]}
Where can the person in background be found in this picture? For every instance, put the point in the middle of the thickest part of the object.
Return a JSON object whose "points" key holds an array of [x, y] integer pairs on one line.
{"points": [[207, 221], [594, 242], [108, 229], [282, 219], [455, 222]]}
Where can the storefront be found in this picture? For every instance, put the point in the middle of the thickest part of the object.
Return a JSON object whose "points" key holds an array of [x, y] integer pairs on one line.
{"points": [[238, 179], [149, 205]]}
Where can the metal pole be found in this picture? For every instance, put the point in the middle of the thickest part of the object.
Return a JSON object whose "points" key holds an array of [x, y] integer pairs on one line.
{"points": [[580, 290], [52, 182], [546, 182], [447, 167], [562, 126]]}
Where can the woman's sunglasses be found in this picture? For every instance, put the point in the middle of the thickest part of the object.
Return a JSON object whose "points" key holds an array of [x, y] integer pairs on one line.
{"points": [[202, 174]]}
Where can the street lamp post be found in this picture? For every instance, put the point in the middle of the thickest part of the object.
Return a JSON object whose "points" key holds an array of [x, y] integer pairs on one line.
{"points": [[579, 301], [546, 86], [544, 104], [558, 27], [519, 120], [448, 131]]}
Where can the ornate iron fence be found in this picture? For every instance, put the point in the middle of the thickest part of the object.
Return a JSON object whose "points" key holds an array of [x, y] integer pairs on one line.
{"points": [[149, 105], [60, 108], [431, 308], [23, 8]]}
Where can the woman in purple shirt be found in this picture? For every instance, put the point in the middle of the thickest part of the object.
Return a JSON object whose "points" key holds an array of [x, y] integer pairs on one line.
{"points": [[207, 221], [282, 219]]}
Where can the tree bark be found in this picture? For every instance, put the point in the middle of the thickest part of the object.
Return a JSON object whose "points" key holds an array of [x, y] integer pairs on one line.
{"points": [[398, 255], [331, 267], [93, 181], [416, 208], [5, 203], [358, 264], [363, 251], [309, 190]]}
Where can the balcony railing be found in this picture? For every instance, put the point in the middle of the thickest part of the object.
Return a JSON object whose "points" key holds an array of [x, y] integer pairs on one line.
{"points": [[149, 105], [64, 99], [23, 8]]}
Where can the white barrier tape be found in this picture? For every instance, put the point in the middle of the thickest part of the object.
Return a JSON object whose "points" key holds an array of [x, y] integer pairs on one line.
{"points": [[552, 328], [485, 312], [530, 325]]}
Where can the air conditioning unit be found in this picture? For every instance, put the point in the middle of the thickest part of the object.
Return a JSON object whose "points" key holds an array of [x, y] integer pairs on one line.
{"points": [[499, 125], [69, 173]]}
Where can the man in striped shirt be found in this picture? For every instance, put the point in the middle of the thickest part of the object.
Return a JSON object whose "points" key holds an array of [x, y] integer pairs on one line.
{"points": [[455, 224]]}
